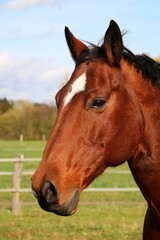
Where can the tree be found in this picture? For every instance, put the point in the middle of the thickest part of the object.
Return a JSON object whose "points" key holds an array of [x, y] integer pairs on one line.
{"points": [[44, 118], [5, 105], [31, 120]]}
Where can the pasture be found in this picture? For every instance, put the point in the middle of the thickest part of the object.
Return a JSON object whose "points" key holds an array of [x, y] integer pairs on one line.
{"points": [[101, 215]]}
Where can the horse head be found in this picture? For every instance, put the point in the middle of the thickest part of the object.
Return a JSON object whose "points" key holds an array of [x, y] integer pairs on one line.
{"points": [[99, 124]]}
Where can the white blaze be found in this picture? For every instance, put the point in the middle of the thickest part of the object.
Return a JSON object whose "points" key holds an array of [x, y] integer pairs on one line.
{"points": [[77, 86]]}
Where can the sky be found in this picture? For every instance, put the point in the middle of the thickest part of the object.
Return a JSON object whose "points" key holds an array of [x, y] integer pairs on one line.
{"points": [[34, 57]]}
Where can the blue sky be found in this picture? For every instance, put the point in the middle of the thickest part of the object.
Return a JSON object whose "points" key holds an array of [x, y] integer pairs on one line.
{"points": [[34, 58]]}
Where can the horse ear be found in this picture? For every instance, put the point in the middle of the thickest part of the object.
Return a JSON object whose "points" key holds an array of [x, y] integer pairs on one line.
{"points": [[113, 43], [75, 45]]}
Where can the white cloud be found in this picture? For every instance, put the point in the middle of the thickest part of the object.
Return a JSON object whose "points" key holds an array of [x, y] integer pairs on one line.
{"points": [[34, 79], [23, 4]]}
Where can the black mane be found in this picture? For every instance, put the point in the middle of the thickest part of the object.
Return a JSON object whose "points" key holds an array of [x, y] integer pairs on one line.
{"points": [[150, 68]]}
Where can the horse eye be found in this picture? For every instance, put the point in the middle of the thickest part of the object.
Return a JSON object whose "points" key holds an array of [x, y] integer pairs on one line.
{"points": [[98, 103]]}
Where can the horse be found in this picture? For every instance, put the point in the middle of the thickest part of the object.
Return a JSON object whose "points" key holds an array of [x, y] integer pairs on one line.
{"points": [[108, 114]]}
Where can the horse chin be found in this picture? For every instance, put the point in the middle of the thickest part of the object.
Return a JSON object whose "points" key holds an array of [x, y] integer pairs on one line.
{"points": [[66, 209]]}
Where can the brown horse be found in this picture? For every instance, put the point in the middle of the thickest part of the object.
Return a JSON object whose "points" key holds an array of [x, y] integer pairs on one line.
{"points": [[108, 113]]}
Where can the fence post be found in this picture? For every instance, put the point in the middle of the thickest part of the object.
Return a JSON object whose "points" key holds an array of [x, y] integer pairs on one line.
{"points": [[21, 138], [16, 184]]}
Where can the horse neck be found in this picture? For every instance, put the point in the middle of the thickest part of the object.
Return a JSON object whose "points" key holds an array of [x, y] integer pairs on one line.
{"points": [[148, 97], [146, 161], [146, 93]]}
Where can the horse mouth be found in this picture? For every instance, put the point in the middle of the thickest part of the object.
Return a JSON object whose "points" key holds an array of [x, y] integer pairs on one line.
{"points": [[66, 209]]}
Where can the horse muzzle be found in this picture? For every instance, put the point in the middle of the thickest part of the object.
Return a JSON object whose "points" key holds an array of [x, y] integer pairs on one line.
{"points": [[48, 199]]}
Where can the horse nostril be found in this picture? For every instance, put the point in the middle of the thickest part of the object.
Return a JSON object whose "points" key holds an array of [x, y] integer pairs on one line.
{"points": [[49, 192]]}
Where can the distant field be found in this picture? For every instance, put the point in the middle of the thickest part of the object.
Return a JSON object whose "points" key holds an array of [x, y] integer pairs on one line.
{"points": [[28, 148], [101, 215]]}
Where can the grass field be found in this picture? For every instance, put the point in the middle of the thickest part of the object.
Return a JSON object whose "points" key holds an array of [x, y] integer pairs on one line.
{"points": [[101, 215]]}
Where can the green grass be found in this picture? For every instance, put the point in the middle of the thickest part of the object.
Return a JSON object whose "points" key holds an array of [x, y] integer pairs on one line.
{"points": [[101, 215], [90, 222]]}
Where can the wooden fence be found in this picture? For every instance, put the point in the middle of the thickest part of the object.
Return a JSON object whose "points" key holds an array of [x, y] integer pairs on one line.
{"points": [[18, 173], [16, 182]]}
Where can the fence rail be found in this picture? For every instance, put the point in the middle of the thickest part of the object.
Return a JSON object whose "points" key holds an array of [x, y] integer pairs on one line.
{"points": [[18, 173], [20, 158]]}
